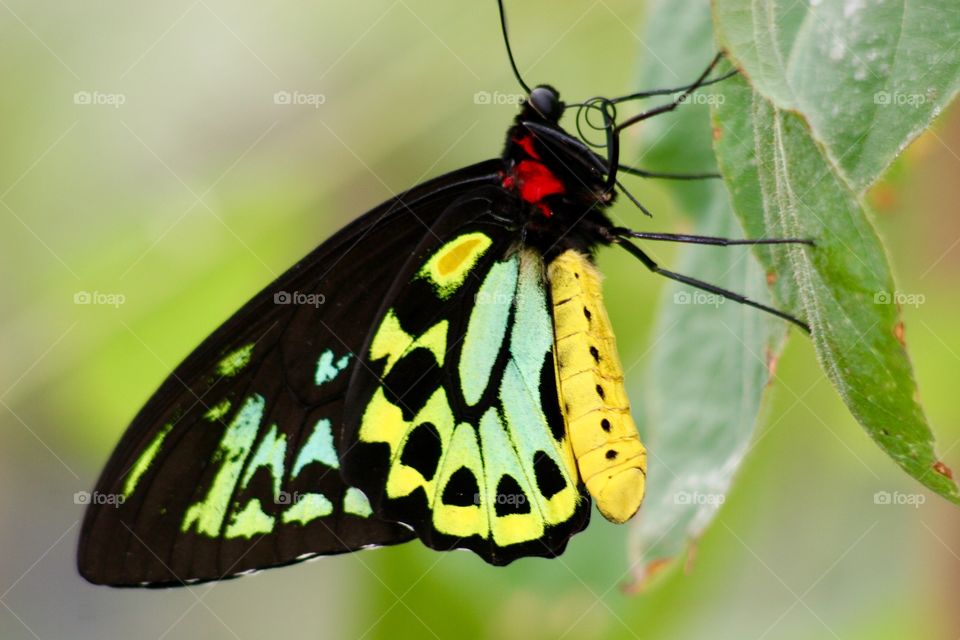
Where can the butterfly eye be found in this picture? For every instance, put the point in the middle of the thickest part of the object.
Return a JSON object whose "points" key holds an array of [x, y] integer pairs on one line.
{"points": [[546, 101]]}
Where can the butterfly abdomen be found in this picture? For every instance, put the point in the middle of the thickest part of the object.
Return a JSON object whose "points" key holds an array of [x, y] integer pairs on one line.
{"points": [[610, 457]]}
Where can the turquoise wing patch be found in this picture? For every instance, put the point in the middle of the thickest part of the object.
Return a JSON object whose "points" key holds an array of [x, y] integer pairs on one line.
{"points": [[459, 432]]}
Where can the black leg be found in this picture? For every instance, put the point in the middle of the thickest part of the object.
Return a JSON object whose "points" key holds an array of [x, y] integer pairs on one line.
{"points": [[634, 199], [608, 109], [706, 286], [676, 102], [640, 95], [712, 240], [643, 173]]}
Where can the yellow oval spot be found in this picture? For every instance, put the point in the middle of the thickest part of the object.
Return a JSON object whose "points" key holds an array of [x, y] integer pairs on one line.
{"points": [[449, 266], [451, 260]]}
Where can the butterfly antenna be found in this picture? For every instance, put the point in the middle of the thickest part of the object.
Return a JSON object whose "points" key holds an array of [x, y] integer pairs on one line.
{"points": [[506, 41]]}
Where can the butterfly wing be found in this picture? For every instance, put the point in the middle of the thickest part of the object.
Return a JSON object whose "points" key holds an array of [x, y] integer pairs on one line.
{"points": [[453, 423], [233, 464]]}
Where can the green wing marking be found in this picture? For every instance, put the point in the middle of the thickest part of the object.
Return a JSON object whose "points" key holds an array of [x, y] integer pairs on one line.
{"points": [[207, 516], [143, 462], [462, 436], [328, 369], [232, 364]]}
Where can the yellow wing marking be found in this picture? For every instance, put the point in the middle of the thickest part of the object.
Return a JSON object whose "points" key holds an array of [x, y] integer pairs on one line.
{"points": [[392, 342], [611, 459], [454, 520], [449, 266]]}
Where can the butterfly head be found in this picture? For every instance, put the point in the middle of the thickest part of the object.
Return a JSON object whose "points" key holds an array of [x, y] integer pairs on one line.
{"points": [[544, 102]]}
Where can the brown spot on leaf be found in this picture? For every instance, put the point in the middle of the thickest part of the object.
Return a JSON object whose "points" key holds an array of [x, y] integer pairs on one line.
{"points": [[772, 360], [883, 197], [717, 133], [771, 278], [643, 575], [943, 469], [691, 557], [898, 333]]}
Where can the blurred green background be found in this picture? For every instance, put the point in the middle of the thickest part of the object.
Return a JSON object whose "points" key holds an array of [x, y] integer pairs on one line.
{"points": [[146, 162]]}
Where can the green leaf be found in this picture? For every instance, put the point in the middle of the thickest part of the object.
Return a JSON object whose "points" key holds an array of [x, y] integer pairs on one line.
{"points": [[785, 185], [698, 424], [868, 76], [867, 80]]}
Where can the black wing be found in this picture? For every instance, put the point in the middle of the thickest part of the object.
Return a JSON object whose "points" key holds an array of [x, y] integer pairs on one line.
{"points": [[232, 465]]}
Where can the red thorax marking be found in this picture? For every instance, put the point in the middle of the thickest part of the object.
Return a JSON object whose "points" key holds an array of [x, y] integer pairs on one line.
{"points": [[532, 178], [526, 143]]}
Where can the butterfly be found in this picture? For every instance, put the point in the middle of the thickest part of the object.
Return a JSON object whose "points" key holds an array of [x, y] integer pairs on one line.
{"points": [[443, 368]]}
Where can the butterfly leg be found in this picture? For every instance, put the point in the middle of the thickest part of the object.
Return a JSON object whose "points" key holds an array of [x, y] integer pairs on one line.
{"points": [[640, 95], [613, 130], [673, 104], [664, 175], [623, 232], [650, 264]]}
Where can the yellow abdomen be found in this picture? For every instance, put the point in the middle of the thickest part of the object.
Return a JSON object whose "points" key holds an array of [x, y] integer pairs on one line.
{"points": [[610, 457]]}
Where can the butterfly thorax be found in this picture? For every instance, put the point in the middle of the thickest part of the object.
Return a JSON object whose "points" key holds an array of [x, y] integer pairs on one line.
{"points": [[563, 193]]}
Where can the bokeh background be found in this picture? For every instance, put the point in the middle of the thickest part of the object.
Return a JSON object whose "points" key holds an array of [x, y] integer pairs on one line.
{"points": [[146, 161]]}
